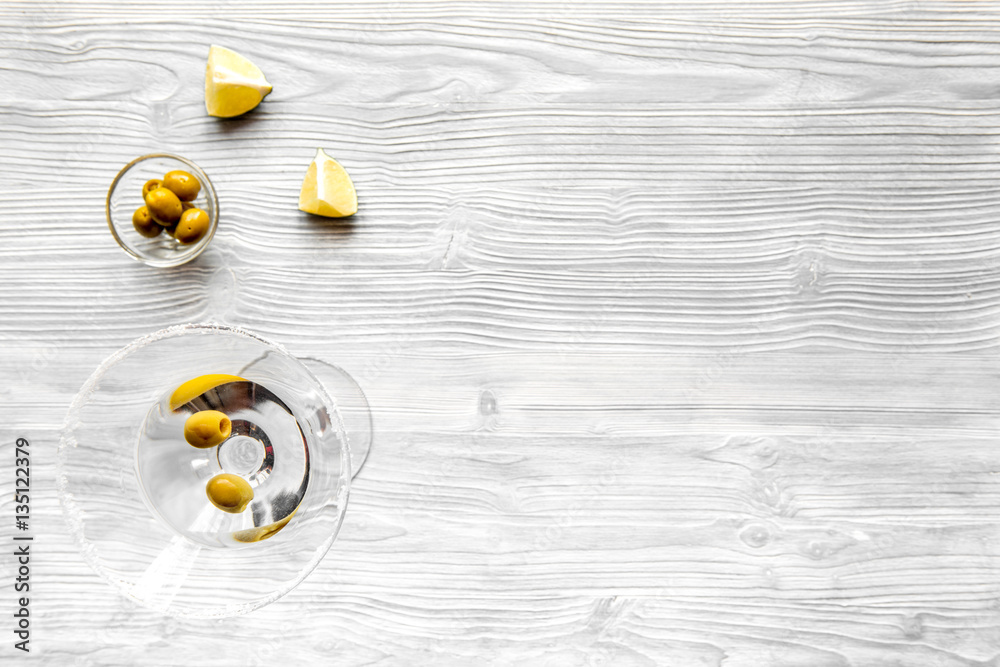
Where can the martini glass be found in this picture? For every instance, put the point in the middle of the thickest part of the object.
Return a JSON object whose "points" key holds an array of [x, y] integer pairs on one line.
{"points": [[134, 491]]}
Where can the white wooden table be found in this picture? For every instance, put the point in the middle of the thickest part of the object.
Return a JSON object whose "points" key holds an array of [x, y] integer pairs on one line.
{"points": [[679, 320]]}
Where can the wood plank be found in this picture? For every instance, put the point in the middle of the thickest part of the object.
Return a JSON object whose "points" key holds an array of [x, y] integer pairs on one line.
{"points": [[703, 146], [420, 52], [379, 310]]}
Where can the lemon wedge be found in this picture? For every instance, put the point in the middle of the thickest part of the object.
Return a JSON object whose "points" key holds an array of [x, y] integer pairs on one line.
{"points": [[192, 389], [263, 532], [233, 84], [327, 189]]}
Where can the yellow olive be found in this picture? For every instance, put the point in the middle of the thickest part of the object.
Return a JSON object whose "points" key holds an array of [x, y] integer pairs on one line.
{"points": [[230, 493], [144, 223], [207, 428], [149, 186], [192, 227], [185, 206], [182, 184], [164, 206]]}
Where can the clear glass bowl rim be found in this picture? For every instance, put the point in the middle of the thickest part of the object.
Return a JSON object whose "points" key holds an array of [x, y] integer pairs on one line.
{"points": [[209, 193]]}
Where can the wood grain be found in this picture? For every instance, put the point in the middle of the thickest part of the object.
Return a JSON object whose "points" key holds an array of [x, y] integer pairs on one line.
{"points": [[678, 319]]}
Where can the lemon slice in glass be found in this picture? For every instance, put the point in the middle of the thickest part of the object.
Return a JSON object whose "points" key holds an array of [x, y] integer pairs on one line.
{"points": [[233, 84], [192, 389], [327, 189]]}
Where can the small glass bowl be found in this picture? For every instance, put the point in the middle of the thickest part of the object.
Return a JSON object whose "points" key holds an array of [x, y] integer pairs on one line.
{"points": [[125, 196]]}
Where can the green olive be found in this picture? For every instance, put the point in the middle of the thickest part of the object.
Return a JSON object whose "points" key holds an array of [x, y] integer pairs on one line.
{"points": [[230, 493], [164, 206], [207, 428], [144, 223], [192, 227], [182, 184], [149, 186]]}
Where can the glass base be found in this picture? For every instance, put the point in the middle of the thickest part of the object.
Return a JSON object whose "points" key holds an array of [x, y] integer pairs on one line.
{"points": [[353, 406]]}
